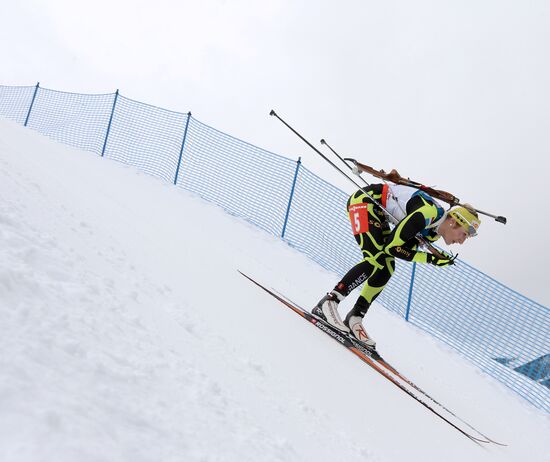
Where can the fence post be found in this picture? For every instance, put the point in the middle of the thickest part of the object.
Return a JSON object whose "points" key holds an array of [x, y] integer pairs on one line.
{"points": [[110, 123], [182, 146], [410, 292], [32, 104], [298, 163]]}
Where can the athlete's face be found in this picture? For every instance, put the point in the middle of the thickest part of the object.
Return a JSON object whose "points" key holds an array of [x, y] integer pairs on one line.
{"points": [[453, 233]]}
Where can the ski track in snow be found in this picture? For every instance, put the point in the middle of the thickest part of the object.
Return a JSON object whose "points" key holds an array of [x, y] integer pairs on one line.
{"points": [[127, 335]]}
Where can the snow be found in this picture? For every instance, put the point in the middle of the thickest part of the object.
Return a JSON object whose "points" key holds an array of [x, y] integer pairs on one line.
{"points": [[128, 335]]}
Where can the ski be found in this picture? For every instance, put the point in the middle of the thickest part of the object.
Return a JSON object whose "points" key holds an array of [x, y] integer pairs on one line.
{"points": [[376, 362], [375, 355]]}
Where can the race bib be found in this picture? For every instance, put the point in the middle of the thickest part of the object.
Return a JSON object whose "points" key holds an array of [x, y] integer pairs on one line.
{"points": [[359, 218]]}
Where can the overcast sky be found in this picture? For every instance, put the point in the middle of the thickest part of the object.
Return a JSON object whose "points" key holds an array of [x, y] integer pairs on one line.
{"points": [[451, 93]]}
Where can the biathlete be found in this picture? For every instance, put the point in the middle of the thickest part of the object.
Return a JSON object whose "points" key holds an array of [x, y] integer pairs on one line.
{"points": [[417, 213]]}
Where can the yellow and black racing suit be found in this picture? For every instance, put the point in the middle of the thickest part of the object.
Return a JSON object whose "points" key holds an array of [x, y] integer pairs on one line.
{"points": [[380, 245]]}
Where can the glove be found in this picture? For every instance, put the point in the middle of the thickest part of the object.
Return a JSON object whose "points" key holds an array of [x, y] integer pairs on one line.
{"points": [[436, 261], [447, 255]]}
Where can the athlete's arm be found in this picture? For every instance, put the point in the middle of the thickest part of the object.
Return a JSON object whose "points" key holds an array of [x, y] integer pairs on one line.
{"points": [[420, 214]]}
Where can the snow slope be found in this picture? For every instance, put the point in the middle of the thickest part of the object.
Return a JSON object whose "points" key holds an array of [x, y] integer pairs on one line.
{"points": [[128, 335]]}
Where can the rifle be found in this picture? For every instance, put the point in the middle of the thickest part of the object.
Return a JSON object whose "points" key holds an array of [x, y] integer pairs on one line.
{"points": [[396, 178]]}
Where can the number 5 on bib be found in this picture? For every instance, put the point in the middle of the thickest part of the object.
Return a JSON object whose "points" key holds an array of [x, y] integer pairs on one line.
{"points": [[359, 218]]}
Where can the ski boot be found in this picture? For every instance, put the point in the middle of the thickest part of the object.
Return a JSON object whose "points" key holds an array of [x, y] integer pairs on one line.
{"points": [[327, 310], [355, 325]]}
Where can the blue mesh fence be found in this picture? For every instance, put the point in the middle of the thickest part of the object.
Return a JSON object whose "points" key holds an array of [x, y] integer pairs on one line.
{"points": [[317, 223], [499, 330], [492, 325], [147, 137], [245, 180], [77, 120], [15, 102]]}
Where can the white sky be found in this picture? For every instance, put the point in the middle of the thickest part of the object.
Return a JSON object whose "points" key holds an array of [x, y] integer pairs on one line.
{"points": [[454, 94]]}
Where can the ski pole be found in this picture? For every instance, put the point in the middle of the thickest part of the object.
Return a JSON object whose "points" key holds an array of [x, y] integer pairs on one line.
{"points": [[355, 170], [273, 113], [394, 220]]}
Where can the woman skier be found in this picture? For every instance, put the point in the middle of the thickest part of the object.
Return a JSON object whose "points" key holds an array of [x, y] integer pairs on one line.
{"points": [[417, 213]]}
